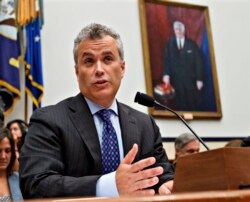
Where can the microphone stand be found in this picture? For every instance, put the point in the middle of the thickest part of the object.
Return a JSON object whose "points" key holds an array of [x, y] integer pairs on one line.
{"points": [[149, 101], [183, 121]]}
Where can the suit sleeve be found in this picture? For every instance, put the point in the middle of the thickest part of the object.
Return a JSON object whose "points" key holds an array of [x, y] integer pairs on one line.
{"points": [[150, 144], [199, 66], [166, 60], [48, 167], [161, 158]]}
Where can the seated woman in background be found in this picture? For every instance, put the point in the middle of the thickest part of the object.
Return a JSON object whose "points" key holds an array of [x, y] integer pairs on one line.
{"points": [[9, 180], [18, 129]]}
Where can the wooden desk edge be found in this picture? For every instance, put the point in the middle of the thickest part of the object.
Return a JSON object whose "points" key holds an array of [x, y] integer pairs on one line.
{"points": [[207, 196]]}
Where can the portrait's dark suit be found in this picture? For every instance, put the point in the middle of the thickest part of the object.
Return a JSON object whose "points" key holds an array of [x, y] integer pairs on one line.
{"points": [[185, 67], [61, 155]]}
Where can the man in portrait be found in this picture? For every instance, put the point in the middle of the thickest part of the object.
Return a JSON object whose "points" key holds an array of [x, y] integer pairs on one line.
{"points": [[183, 69]]}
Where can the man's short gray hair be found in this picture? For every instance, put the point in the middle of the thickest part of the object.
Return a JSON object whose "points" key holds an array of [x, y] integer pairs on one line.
{"points": [[97, 31], [179, 25], [183, 139]]}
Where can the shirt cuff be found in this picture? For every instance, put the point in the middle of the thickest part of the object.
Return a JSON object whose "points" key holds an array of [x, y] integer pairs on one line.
{"points": [[106, 186]]}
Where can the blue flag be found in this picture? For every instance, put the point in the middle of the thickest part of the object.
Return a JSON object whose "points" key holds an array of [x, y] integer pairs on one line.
{"points": [[33, 63], [9, 53]]}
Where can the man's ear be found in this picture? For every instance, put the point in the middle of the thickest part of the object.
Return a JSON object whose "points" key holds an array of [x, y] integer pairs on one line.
{"points": [[177, 151], [123, 67], [76, 72]]}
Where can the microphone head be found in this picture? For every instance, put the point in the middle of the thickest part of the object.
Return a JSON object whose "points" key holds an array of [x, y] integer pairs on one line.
{"points": [[144, 99]]}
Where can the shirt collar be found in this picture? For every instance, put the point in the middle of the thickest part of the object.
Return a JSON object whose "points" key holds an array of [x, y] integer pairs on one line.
{"points": [[95, 107]]}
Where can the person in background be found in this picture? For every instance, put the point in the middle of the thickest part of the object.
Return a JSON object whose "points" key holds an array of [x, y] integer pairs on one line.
{"points": [[246, 142], [9, 180], [234, 143], [92, 144], [18, 129], [184, 69], [186, 144]]}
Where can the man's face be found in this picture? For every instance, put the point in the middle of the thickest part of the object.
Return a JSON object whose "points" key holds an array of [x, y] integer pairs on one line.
{"points": [[190, 148], [99, 70], [179, 32], [5, 154]]}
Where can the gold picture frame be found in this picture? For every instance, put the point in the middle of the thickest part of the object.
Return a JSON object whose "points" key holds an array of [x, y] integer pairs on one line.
{"points": [[192, 71]]}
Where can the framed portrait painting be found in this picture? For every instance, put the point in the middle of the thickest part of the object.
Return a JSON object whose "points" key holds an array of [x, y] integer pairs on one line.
{"points": [[179, 59]]}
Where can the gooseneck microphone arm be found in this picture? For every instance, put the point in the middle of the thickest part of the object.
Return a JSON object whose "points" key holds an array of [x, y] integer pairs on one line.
{"points": [[183, 120], [148, 101]]}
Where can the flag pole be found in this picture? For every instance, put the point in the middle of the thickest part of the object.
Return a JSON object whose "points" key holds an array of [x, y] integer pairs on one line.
{"points": [[25, 107]]}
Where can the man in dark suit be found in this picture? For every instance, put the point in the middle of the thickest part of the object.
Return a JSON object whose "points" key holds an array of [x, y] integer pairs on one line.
{"points": [[63, 153], [183, 68]]}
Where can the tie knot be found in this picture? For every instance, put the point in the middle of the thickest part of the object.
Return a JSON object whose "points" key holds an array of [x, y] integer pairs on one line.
{"points": [[104, 114]]}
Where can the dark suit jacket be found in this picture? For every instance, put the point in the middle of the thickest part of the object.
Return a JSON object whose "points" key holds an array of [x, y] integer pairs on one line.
{"points": [[184, 65], [61, 155]]}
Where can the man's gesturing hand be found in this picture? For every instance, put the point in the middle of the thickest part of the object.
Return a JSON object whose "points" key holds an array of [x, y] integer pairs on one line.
{"points": [[136, 178]]}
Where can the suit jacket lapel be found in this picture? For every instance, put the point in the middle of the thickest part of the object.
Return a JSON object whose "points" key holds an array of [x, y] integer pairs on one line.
{"points": [[84, 123], [129, 129]]}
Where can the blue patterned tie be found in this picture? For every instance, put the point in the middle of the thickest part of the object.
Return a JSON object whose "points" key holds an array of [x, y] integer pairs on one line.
{"points": [[110, 148]]}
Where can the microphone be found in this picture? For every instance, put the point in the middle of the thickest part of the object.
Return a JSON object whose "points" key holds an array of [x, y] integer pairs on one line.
{"points": [[149, 101]]}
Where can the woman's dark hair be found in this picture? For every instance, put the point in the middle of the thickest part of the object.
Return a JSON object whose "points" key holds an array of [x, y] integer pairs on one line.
{"points": [[22, 125], [4, 132]]}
